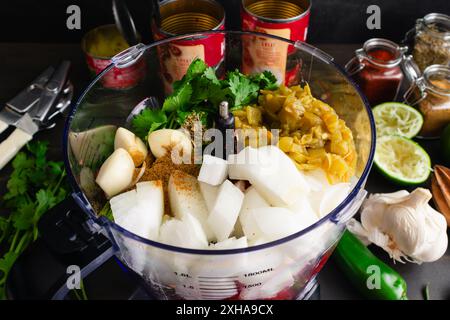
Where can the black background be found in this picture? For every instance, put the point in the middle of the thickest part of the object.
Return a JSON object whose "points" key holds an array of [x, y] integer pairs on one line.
{"points": [[332, 21]]}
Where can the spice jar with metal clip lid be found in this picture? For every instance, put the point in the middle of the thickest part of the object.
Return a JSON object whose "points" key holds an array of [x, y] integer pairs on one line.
{"points": [[379, 69], [430, 94], [430, 40]]}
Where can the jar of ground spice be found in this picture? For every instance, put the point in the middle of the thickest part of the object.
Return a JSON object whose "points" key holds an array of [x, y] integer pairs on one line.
{"points": [[431, 40], [430, 94], [378, 69]]}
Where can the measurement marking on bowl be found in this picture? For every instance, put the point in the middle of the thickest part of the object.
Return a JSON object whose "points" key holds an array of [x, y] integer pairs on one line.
{"points": [[221, 289], [214, 285], [231, 277], [216, 281]]}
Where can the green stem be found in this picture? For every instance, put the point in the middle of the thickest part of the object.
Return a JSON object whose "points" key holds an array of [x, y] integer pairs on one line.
{"points": [[75, 291], [14, 240], [83, 291], [23, 243], [63, 174], [8, 227]]}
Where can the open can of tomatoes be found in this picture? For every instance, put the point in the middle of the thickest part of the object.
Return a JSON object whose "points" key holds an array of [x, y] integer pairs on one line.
{"points": [[99, 46], [287, 19], [186, 16]]}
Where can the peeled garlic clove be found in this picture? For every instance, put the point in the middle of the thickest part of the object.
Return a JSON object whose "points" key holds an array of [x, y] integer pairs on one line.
{"points": [[132, 144], [116, 173], [165, 140]]}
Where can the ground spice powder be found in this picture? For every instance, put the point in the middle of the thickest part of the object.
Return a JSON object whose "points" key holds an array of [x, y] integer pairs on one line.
{"points": [[161, 169]]}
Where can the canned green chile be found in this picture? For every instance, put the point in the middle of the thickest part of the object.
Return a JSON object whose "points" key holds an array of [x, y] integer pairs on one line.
{"points": [[99, 46], [287, 19], [186, 16]]}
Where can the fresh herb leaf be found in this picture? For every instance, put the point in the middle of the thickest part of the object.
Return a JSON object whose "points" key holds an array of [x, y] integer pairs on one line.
{"points": [[210, 74], [242, 90], [147, 121], [179, 99], [266, 80], [197, 67], [34, 186], [201, 90], [106, 211]]}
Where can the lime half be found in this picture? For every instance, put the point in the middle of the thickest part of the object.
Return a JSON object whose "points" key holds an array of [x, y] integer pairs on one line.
{"points": [[402, 160], [394, 118]]}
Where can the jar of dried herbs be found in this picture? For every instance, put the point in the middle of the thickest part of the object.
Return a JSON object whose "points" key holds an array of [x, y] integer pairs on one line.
{"points": [[431, 38], [430, 94]]}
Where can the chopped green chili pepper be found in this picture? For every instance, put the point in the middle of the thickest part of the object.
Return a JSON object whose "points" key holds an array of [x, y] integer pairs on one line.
{"points": [[372, 277]]}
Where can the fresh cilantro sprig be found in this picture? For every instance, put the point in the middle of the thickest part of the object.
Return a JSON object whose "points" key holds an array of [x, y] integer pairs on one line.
{"points": [[200, 91], [35, 185]]}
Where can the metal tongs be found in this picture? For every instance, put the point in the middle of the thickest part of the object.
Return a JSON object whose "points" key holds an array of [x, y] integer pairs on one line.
{"points": [[35, 108]]}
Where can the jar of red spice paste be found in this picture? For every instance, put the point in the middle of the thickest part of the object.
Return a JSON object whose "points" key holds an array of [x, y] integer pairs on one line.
{"points": [[378, 69], [430, 94]]}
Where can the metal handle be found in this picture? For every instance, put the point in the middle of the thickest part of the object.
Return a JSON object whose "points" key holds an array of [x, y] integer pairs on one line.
{"points": [[410, 92], [12, 145], [51, 91], [352, 67]]}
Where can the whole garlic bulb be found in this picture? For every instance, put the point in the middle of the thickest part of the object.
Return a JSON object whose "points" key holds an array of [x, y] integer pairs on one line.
{"points": [[404, 225]]}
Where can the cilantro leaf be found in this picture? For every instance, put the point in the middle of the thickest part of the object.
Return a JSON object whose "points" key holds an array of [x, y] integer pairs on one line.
{"points": [[34, 186], [147, 121], [197, 67], [7, 261], [210, 74], [241, 89], [178, 99], [39, 150], [23, 218], [201, 90], [266, 80]]}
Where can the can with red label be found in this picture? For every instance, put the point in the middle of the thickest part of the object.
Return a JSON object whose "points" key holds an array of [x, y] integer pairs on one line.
{"points": [[284, 18], [187, 16], [99, 46]]}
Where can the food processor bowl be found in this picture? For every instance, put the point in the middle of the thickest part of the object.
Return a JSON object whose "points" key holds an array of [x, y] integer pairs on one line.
{"points": [[281, 269]]}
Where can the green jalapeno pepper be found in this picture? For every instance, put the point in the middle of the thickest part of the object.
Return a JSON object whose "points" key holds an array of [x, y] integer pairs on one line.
{"points": [[372, 277]]}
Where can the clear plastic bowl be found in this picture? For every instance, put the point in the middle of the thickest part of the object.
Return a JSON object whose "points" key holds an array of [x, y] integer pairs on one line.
{"points": [[282, 269]]}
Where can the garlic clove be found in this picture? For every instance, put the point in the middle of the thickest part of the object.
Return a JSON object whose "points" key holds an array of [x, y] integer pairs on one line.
{"points": [[127, 140], [116, 173], [164, 140], [374, 207]]}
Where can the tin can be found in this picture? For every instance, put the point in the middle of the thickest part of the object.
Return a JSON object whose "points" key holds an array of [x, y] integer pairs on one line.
{"points": [[187, 16], [287, 19], [99, 46]]}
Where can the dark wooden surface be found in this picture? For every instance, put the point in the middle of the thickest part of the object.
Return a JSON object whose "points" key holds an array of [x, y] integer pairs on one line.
{"points": [[20, 63]]}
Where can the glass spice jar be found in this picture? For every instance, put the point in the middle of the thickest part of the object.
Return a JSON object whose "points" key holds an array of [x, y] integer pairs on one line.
{"points": [[377, 69], [430, 94], [431, 40]]}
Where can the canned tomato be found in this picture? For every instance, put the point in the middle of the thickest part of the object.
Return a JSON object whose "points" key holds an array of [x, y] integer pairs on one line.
{"points": [[99, 46], [287, 19], [186, 16]]}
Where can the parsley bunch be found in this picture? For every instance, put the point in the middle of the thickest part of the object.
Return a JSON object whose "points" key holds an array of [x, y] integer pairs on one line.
{"points": [[200, 92], [35, 186]]}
